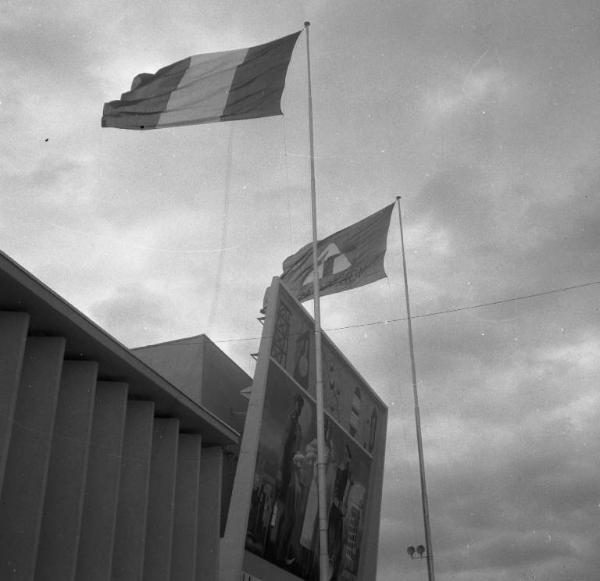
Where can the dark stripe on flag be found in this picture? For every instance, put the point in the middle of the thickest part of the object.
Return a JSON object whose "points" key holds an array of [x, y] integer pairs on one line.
{"points": [[258, 82], [141, 107]]}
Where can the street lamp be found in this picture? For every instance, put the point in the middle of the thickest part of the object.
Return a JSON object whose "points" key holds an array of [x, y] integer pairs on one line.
{"points": [[418, 553]]}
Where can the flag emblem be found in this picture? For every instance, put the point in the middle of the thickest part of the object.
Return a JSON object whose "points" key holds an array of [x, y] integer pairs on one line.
{"points": [[331, 261]]}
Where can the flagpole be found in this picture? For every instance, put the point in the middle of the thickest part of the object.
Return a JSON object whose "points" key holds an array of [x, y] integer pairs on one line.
{"points": [[428, 545], [321, 463]]}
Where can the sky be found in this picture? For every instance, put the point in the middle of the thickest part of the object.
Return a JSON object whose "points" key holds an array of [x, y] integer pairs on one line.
{"points": [[483, 115]]}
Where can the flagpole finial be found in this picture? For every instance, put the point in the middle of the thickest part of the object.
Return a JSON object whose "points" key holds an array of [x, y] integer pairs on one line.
{"points": [[306, 24], [398, 197]]}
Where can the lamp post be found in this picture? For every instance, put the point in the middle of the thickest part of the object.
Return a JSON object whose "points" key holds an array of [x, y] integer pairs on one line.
{"points": [[417, 553]]}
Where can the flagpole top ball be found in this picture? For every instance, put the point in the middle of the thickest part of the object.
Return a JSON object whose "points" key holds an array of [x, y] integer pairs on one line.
{"points": [[306, 24]]}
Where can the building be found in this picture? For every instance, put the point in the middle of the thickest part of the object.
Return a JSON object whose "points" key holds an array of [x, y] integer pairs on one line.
{"points": [[107, 469]]}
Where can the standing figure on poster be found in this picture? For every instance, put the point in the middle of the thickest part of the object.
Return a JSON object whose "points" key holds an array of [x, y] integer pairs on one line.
{"points": [[337, 511], [290, 487], [308, 535]]}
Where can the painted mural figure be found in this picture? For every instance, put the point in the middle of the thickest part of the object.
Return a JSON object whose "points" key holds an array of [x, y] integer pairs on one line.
{"points": [[309, 535], [337, 511], [354, 517], [290, 487], [261, 510]]}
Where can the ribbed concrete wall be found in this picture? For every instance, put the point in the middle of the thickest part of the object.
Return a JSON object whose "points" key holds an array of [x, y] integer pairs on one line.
{"points": [[186, 516], [23, 489], [65, 487], [93, 486], [130, 537], [12, 345]]}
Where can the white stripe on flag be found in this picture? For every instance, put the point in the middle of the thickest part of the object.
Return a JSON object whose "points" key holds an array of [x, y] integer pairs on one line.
{"points": [[203, 90]]}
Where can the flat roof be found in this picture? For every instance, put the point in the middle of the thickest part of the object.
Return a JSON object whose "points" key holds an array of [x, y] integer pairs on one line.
{"points": [[51, 315]]}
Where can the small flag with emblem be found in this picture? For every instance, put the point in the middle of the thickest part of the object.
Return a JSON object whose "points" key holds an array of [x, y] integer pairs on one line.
{"points": [[347, 259]]}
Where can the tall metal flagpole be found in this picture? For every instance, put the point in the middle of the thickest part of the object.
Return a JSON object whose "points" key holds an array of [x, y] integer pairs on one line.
{"points": [[321, 462], [428, 546]]}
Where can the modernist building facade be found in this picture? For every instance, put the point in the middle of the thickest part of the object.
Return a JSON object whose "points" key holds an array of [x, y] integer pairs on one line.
{"points": [[107, 469]]}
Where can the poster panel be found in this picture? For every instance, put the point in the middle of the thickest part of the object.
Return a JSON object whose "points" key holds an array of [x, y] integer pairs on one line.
{"points": [[283, 516], [282, 525], [347, 397]]}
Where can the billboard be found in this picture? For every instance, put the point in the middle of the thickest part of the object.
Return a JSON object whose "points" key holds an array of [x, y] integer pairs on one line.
{"points": [[282, 537]]}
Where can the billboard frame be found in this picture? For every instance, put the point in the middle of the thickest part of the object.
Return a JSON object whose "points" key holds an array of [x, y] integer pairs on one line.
{"points": [[234, 558]]}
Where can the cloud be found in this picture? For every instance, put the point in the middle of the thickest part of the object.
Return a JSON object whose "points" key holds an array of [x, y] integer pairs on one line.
{"points": [[132, 312], [478, 89], [501, 454]]}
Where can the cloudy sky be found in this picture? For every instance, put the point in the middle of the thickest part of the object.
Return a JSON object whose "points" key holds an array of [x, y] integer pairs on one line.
{"points": [[484, 116]]}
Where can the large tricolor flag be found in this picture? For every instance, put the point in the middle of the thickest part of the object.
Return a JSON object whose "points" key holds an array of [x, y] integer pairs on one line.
{"points": [[347, 259], [221, 86]]}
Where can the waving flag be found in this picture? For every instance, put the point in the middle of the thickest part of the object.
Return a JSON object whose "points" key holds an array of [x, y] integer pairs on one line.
{"points": [[347, 259], [205, 88]]}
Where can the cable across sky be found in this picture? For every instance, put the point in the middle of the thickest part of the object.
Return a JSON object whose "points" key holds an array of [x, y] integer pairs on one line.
{"points": [[445, 311]]}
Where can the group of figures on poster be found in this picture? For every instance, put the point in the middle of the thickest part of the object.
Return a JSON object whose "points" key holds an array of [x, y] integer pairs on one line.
{"points": [[283, 525], [283, 521]]}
